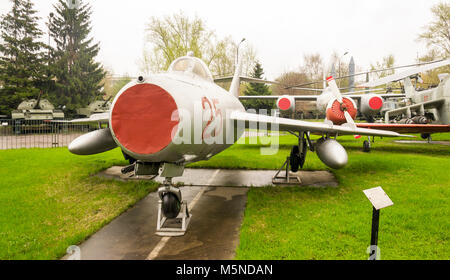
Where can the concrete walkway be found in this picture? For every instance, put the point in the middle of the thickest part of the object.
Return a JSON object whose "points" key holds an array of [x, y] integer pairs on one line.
{"points": [[447, 143], [233, 178], [218, 202], [212, 234]]}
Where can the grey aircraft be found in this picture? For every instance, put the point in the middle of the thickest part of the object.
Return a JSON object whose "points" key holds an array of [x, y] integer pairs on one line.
{"points": [[165, 121]]}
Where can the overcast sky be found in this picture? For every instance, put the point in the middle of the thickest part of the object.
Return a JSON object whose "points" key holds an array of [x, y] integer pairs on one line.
{"points": [[280, 31]]}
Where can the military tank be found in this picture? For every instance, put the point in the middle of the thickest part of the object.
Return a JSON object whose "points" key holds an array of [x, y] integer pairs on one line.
{"points": [[31, 116], [96, 107], [33, 110]]}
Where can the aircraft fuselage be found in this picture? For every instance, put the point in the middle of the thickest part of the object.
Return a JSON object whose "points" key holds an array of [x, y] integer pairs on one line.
{"points": [[175, 118]]}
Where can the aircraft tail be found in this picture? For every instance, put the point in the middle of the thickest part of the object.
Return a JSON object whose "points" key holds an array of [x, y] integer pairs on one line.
{"points": [[409, 88], [236, 82]]}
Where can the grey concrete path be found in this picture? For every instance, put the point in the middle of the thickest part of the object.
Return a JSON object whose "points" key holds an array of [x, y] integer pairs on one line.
{"points": [[212, 234], [423, 142], [233, 178], [217, 204]]}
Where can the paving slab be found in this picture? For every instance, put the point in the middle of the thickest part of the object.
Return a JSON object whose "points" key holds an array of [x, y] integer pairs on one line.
{"points": [[423, 142], [232, 178]]}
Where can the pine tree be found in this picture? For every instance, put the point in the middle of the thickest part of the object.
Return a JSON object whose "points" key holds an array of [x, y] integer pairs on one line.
{"points": [[22, 59], [258, 89], [78, 77]]}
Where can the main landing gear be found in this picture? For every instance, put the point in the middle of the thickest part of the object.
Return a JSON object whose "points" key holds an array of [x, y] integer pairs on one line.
{"points": [[368, 144], [426, 136], [294, 162]]}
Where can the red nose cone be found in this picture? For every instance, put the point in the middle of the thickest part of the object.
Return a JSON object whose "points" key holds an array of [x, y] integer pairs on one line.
{"points": [[375, 103], [284, 104], [141, 119], [336, 114]]}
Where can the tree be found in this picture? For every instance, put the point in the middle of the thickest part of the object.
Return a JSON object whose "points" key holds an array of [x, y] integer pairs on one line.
{"points": [[78, 77], [258, 89], [437, 33], [437, 38], [22, 68], [313, 67], [386, 63], [290, 79], [431, 78], [112, 85], [174, 36]]}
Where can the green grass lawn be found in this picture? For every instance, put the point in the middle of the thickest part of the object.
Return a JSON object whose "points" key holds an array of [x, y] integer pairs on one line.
{"points": [[49, 200], [335, 223]]}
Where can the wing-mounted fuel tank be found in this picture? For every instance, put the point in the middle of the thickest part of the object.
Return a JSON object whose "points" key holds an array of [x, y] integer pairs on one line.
{"points": [[331, 153], [286, 103], [371, 105], [95, 142]]}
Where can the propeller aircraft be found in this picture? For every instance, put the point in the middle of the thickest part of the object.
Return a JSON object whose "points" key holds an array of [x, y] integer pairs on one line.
{"points": [[436, 101]]}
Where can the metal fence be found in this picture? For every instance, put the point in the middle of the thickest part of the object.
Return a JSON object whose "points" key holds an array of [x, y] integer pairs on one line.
{"points": [[15, 134]]}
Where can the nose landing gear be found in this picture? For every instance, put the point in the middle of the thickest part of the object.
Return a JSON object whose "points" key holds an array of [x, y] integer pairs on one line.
{"points": [[173, 212]]}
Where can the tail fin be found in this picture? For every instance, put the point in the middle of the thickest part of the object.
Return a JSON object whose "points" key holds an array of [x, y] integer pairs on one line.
{"points": [[409, 88], [236, 83]]}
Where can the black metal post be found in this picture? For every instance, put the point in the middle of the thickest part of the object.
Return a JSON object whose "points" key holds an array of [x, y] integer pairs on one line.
{"points": [[374, 238]]}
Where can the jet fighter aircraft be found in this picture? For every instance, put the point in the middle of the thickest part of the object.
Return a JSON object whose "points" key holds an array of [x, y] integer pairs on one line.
{"points": [[165, 121]]}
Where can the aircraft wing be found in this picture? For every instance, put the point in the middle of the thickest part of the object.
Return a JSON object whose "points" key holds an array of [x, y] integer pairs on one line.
{"points": [[275, 97], [406, 74], [94, 118], [314, 97], [282, 124], [385, 96], [245, 79], [406, 128]]}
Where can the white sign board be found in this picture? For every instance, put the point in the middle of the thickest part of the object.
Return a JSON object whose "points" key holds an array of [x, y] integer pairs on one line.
{"points": [[378, 198]]}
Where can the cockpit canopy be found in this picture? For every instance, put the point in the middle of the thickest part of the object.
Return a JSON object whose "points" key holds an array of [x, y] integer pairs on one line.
{"points": [[191, 64]]}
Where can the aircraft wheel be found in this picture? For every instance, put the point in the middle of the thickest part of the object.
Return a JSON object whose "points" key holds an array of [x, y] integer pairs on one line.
{"points": [[171, 206], [295, 159], [366, 146], [425, 136]]}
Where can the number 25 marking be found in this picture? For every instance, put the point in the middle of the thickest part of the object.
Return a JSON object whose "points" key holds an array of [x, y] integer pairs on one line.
{"points": [[215, 114]]}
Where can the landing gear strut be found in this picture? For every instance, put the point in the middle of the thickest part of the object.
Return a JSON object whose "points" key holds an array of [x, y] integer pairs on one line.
{"points": [[366, 146], [295, 161], [173, 212]]}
